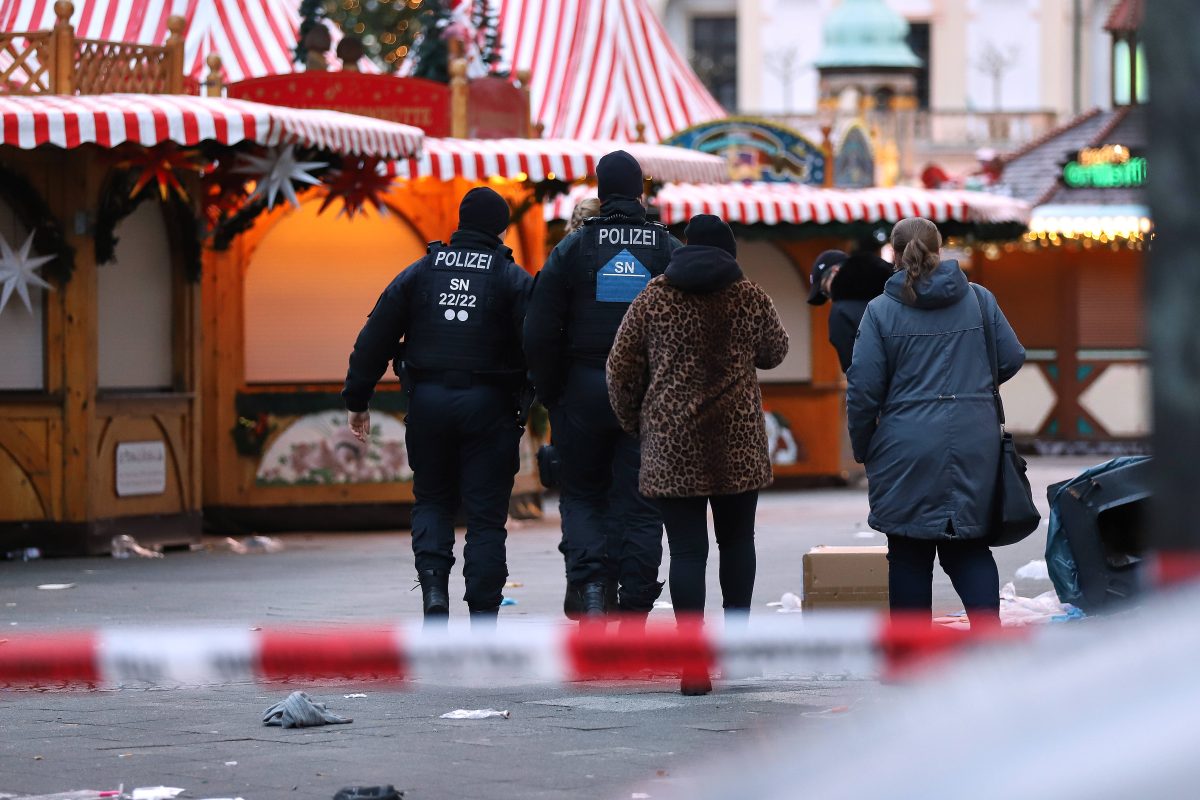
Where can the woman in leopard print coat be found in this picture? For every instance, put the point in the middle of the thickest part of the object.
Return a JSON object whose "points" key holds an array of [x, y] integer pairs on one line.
{"points": [[682, 376]]}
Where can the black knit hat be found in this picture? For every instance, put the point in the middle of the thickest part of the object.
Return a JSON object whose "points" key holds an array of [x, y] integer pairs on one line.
{"points": [[619, 173], [484, 210], [830, 258], [710, 231]]}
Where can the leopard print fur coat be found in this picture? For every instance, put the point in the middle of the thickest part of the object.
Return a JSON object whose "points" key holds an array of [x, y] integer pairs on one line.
{"points": [[681, 375]]}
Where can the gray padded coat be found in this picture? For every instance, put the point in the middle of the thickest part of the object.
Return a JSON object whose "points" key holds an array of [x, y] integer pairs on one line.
{"points": [[920, 409]]}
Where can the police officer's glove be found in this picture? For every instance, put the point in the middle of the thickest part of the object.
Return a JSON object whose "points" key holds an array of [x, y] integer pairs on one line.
{"points": [[524, 399]]}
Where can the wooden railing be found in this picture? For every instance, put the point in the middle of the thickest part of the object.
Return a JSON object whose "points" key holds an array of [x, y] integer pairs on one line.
{"points": [[57, 62], [25, 60]]}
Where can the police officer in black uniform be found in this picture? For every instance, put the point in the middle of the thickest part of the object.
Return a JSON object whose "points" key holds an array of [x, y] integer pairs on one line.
{"points": [[611, 534], [459, 311]]}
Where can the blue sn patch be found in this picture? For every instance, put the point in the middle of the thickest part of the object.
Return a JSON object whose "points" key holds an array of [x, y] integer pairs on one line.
{"points": [[621, 279]]}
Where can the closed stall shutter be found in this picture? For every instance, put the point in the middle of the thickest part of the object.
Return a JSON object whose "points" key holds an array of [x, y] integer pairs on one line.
{"points": [[1110, 302], [22, 332], [310, 286]]}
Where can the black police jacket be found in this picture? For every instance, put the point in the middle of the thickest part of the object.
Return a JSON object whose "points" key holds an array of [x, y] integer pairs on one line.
{"points": [[581, 295], [482, 333]]}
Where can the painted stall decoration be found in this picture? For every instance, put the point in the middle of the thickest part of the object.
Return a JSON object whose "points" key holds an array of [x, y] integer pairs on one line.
{"points": [[854, 164], [318, 449], [757, 150]]}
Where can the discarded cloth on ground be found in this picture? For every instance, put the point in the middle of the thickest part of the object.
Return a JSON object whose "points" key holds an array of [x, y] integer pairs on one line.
{"points": [[299, 711]]}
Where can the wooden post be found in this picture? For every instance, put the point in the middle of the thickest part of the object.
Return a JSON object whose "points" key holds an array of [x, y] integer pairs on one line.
{"points": [[177, 26], [214, 84], [640, 127], [524, 77], [62, 70], [458, 95], [827, 151]]}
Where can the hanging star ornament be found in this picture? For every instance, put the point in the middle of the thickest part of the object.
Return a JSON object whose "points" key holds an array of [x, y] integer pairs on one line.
{"points": [[360, 181], [163, 166], [17, 272], [276, 172]]}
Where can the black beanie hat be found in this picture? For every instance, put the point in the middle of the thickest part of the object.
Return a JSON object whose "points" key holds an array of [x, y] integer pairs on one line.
{"points": [[710, 231], [484, 210], [619, 173], [827, 259]]}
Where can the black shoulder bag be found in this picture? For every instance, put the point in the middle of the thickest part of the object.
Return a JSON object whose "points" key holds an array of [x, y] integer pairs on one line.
{"points": [[1014, 516]]}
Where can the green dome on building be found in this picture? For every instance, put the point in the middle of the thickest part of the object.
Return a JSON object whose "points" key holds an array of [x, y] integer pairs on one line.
{"points": [[865, 33]]}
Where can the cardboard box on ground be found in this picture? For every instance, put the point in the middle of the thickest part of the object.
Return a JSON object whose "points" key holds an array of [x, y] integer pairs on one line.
{"points": [[845, 577]]}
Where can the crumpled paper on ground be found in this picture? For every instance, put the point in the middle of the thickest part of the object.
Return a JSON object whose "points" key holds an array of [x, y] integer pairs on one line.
{"points": [[156, 793], [790, 603], [478, 713], [299, 711]]}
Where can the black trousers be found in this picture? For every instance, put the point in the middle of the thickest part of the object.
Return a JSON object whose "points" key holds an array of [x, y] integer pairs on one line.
{"points": [[463, 446], [970, 565], [610, 532], [686, 519]]}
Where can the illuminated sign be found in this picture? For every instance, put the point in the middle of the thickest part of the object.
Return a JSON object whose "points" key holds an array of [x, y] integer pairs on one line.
{"points": [[1112, 166]]}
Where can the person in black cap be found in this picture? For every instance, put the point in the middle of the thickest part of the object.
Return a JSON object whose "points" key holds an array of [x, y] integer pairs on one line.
{"points": [[459, 312], [850, 281], [612, 536], [683, 376]]}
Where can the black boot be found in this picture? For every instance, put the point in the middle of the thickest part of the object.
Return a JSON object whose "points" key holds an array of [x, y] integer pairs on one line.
{"points": [[484, 618], [435, 592], [573, 601], [594, 596]]}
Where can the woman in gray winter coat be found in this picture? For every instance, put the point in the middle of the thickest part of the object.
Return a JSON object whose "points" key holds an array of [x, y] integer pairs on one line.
{"points": [[923, 420]]}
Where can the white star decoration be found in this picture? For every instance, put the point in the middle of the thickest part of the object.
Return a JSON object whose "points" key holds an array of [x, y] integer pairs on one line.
{"points": [[17, 272], [275, 172]]}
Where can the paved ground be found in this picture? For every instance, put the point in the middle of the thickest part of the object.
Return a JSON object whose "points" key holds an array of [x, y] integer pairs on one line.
{"points": [[584, 740]]}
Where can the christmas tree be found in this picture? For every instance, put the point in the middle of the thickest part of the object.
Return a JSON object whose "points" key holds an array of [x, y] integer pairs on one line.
{"points": [[485, 20], [386, 27], [311, 14], [431, 51]]}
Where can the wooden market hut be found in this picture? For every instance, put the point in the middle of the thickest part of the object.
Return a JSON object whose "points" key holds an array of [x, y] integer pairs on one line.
{"points": [[1073, 287], [100, 337]]}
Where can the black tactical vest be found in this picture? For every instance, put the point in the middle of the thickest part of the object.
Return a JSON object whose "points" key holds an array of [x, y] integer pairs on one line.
{"points": [[457, 322], [617, 260]]}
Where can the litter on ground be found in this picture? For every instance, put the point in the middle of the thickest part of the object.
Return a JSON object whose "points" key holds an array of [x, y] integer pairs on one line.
{"points": [[299, 711], [478, 713], [1035, 570]]}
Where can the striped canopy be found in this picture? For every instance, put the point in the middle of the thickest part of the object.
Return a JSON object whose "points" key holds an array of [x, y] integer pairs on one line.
{"points": [[599, 67], [253, 38], [540, 159], [797, 204], [148, 119]]}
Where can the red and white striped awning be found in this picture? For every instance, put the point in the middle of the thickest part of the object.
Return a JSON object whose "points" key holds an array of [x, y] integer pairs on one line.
{"points": [[148, 119], [600, 68], [541, 159], [253, 38], [797, 204]]}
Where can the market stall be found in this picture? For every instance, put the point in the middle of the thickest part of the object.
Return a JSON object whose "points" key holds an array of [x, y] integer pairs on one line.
{"points": [[1073, 287], [100, 221]]}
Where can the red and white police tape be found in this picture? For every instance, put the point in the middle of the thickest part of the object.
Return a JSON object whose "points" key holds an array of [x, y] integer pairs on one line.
{"points": [[848, 643]]}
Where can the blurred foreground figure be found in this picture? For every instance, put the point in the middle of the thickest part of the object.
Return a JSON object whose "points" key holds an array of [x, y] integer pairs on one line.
{"points": [[923, 419], [459, 312], [682, 376]]}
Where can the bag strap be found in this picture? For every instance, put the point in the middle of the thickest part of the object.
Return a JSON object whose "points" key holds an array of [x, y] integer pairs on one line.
{"points": [[989, 336]]}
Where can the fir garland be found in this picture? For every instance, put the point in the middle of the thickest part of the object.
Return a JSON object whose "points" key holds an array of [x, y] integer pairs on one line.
{"points": [[236, 224], [35, 214], [116, 204]]}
